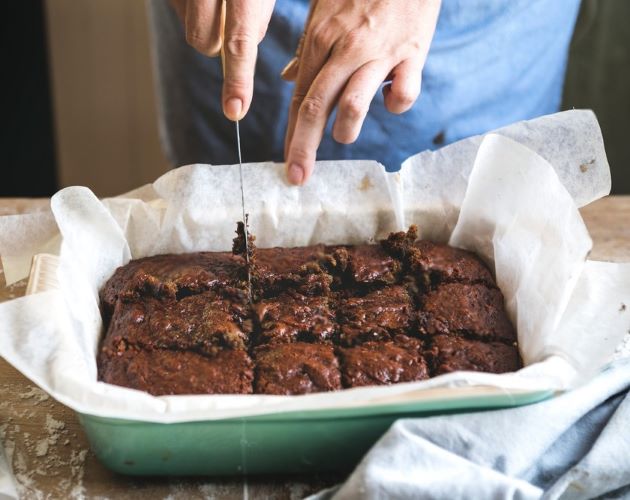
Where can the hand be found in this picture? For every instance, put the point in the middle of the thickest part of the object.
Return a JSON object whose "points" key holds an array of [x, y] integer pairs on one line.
{"points": [[348, 50], [246, 23]]}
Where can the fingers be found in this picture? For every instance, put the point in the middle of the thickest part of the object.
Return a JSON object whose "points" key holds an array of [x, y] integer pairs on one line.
{"points": [[266, 9], [314, 52], [240, 47], [311, 118], [355, 100], [202, 23], [310, 111], [404, 90], [290, 72]]}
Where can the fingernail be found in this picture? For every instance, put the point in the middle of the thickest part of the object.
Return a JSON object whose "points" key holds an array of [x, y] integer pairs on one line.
{"points": [[233, 108], [289, 72], [295, 174]]}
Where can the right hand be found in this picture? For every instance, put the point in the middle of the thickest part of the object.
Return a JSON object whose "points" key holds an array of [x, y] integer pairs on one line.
{"points": [[246, 23]]}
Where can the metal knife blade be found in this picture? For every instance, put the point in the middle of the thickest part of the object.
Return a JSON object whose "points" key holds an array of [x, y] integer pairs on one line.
{"points": [[245, 229], [240, 163]]}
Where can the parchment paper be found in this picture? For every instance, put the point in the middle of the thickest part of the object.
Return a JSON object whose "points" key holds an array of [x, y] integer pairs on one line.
{"points": [[435, 181], [516, 213], [7, 484]]}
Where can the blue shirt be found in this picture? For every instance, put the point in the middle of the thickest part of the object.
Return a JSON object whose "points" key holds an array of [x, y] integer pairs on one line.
{"points": [[491, 63]]}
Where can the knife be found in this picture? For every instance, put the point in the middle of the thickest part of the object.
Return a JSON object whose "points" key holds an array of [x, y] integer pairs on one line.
{"points": [[240, 164], [245, 216]]}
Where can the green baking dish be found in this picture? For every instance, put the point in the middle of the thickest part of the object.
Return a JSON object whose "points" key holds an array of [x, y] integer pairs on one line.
{"points": [[281, 443], [278, 443]]}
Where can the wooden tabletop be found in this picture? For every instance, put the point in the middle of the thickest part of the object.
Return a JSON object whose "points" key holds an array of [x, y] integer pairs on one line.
{"points": [[49, 451]]}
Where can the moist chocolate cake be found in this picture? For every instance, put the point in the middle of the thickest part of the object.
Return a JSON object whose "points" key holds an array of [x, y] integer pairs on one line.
{"points": [[164, 372], [297, 368], [380, 363], [366, 264], [320, 318], [378, 315], [168, 275], [471, 310], [205, 323], [280, 269], [450, 353], [293, 317], [441, 263]]}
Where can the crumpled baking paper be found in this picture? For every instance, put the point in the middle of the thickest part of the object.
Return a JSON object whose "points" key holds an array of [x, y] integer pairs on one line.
{"points": [[7, 484], [498, 196]]}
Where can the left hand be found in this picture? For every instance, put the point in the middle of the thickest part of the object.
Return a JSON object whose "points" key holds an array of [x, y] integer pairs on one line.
{"points": [[349, 49]]}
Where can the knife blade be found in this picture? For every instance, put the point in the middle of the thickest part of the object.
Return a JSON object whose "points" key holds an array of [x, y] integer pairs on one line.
{"points": [[245, 215], [240, 164]]}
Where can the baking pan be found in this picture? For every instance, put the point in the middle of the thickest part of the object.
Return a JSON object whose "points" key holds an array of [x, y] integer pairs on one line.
{"points": [[282, 443], [279, 443]]}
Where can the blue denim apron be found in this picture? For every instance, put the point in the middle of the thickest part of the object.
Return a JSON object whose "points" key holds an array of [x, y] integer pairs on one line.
{"points": [[491, 63]]}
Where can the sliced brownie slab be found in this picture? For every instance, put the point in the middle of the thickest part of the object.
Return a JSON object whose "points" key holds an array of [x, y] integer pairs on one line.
{"points": [[451, 353], [379, 315], [381, 363], [467, 309], [296, 368]]}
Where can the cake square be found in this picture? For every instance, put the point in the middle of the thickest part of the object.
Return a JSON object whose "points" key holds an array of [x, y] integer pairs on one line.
{"points": [[382, 363], [450, 353], [442, 263], [301, 268], [164, 276], [380, 314], [296, 368], [470, 309], [435, 263], [163, 372], [367, 264], [206, 323], [294, 317]]}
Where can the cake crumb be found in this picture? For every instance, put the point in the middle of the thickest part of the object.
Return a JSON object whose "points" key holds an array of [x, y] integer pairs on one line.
{"points": [[35, 393], [42, 447], [586, 165], [366, 183]]}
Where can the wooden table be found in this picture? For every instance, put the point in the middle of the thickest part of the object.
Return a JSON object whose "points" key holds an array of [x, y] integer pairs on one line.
{"points": [[50, 453]]}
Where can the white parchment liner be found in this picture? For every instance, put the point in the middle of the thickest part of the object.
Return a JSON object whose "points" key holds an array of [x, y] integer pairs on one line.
{"points": [[515, 203]]}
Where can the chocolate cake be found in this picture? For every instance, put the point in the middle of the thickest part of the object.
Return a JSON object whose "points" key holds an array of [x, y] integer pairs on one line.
{"points": [[300, 268], [166, 275], [380, 363], [205, 323], [163, 372], [366, 264], [461, 308], [297, 368], [293, 317], [451, 353], [378, 315], [316, 318], [441, 263]]}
